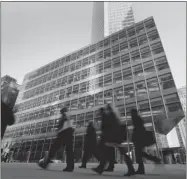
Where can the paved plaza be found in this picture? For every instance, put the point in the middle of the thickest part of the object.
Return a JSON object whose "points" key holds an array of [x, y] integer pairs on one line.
{"points": [[32, 171]]}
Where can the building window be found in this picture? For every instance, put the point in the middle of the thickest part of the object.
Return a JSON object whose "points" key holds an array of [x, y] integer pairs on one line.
{"points": [[117, 77], [133, 43], [99, 82], [163, 66], [143, 105], [114, 38], [142, 39], [141, 89], [138, 71], [72, 67], [68, 92], [135, 56], [85, 51], [108, 80], [90, 101], [122, 34], [92, 48], [118, 94], [100, 45], [99, 99], [80, 54], [99, 68], [166, 81], [145, 52], [73, 56], [77, 76], [116, 62], [62, 94], [129, 91], [115, 49], [160, 60], [89, 117], [74, 105], [157, 48], [127, 74], [106, 42], [153, 85], [92, 58], [68, 58], [172, 98], [84, 74], [124, 46], [75, 90], [99, 56], [108, 98], [153, 35], [156, 102], [125, 59], [60, 72], [66, 69], [107, 53], [83, 88], [131, 31], [70, 78], [85, 62], [140, 28], [78, 65], [149, 24], [175, 107], [149, 68], [107, 65], [82, 103]]}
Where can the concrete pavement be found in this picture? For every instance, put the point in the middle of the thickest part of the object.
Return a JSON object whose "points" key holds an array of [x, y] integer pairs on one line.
{"points": [[32, 171]]}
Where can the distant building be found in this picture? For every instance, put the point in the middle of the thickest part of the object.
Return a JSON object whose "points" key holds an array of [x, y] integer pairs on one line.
{"points": [[181, 127], [9, 90], [110, 17]]}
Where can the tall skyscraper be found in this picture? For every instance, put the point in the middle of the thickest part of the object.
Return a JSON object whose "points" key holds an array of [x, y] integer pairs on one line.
{"points": [[128, 69], [110, 17]]}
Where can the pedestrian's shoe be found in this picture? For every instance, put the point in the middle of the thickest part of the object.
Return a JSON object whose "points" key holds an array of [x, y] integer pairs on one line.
{"points": [[130, 172], [82, 166], [140, 172], [157, 160], [67, 169], [97, 170], [42, 164], [109, 170]]}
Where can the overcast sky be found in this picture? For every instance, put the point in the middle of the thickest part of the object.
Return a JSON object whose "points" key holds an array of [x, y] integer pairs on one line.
{"points": [[36, 33]]}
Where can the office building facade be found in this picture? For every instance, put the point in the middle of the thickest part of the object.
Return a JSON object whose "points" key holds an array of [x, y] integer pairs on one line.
{"points": [[128, 69], [110, 17]]}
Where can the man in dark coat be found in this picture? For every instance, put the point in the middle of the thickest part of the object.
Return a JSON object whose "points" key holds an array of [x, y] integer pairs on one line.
{"points": [[7, 118], [139, 140], [90, 143]]}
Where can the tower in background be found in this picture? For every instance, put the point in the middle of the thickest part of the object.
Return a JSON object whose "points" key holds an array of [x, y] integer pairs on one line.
{"points": [[110, 17]]}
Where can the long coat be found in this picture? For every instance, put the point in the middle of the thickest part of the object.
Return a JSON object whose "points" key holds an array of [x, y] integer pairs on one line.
{"points": [[7, 117]]}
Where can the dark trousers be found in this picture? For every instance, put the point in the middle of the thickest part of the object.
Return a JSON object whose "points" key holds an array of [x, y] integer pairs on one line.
{"points": [[64, 138], [139, 152], [86, 156], [110, 152], [103, 157]]}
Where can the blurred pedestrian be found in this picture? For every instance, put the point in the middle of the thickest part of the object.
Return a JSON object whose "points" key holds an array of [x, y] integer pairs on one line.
{"points": [[65, 138], [141, 138], [7, 118], [112, 132], [90, 143]]}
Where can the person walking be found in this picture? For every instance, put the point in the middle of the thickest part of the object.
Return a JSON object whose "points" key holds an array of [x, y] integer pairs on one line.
{"points": [[113, 132], [141, 138], [7, 118], [65, 138], [90, 143]]}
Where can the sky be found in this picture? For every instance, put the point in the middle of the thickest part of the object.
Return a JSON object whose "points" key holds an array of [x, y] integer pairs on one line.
{"points": [[36, 33]]}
